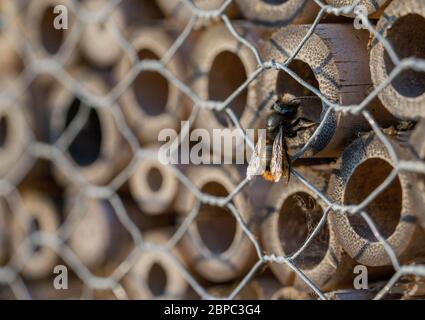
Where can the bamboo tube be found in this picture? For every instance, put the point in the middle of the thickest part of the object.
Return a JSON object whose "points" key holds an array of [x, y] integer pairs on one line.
{"points": [[365, 294], [140, 12], [403, 25], [97, 237], [154, 187], [44, 290], [151, 103], [290, 293], [6, 293], [99, 43], [221, 64], [181, 13], [155, 275], [220, 291], [356, 295], [46, 40], [276, 13], [37, 214], [94, 150], [364, 166], [418, 143], [294, 213], [330, 65], [4, 227], [374, 7], [15, 133], [9, 59], [145, 221], [215, 243], [411, 287], [260, 288]]}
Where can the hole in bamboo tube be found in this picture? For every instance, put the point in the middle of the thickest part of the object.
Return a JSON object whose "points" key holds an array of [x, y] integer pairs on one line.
{"points": [[215, 220], [3, 131], [226, 75], [275, 2], [35, 227], [157, 280], [51, 38], [407, 37], [385, 210], [285, 84], [155, 179], [86, 147], [137, 11], [298, 218], [151, 88]]}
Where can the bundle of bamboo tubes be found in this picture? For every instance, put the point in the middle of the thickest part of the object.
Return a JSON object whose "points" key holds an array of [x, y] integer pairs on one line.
{"points": [[84, 110]]}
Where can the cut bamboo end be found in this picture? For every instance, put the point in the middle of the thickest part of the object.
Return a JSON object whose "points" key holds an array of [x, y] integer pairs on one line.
{"points": [[221, 64], [278, 13], [10, 60], [99, 42], [93, 152], [405, 96], [140, 12], [40, 17], [144, 221], [155, 274], [154, 187], [217, 258], [293, 214], [181, 12], [331, 66], [290, 293], [152, 103], [364, 166], [373, 7], [15, 132], [38, 214], [418, 143], [94, 238]]}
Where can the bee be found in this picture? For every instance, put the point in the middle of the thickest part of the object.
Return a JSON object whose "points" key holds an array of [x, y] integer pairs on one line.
{"points": [[271, 159]]}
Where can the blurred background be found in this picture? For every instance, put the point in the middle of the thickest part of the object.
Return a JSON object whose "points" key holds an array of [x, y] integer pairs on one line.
{"points": [[87, 210]]}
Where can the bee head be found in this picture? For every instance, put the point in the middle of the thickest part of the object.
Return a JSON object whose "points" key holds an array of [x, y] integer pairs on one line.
{"points": [[274, 121], [288, 110]]}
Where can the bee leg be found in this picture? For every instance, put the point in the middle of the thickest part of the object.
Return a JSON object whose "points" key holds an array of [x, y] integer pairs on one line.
{"points": [[303, 124], [292, 134]]}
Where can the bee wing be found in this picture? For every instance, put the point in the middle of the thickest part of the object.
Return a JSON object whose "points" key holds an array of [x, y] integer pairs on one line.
{"points": [[281, 163], [256, 166], [277, 158]]}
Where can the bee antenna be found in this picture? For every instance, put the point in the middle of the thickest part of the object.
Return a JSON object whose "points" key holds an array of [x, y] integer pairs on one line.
{"points": [[306, 98]]}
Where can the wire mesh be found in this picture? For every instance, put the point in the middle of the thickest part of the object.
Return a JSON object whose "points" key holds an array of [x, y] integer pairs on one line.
{"points": [[10, 274]]}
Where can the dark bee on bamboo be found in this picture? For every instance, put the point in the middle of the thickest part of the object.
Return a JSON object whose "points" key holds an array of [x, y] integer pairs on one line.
{"points": [[271, 159]]}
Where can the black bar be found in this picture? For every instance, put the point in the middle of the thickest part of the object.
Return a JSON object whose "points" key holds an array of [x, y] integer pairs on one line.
{"points": [[175, 310]]}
